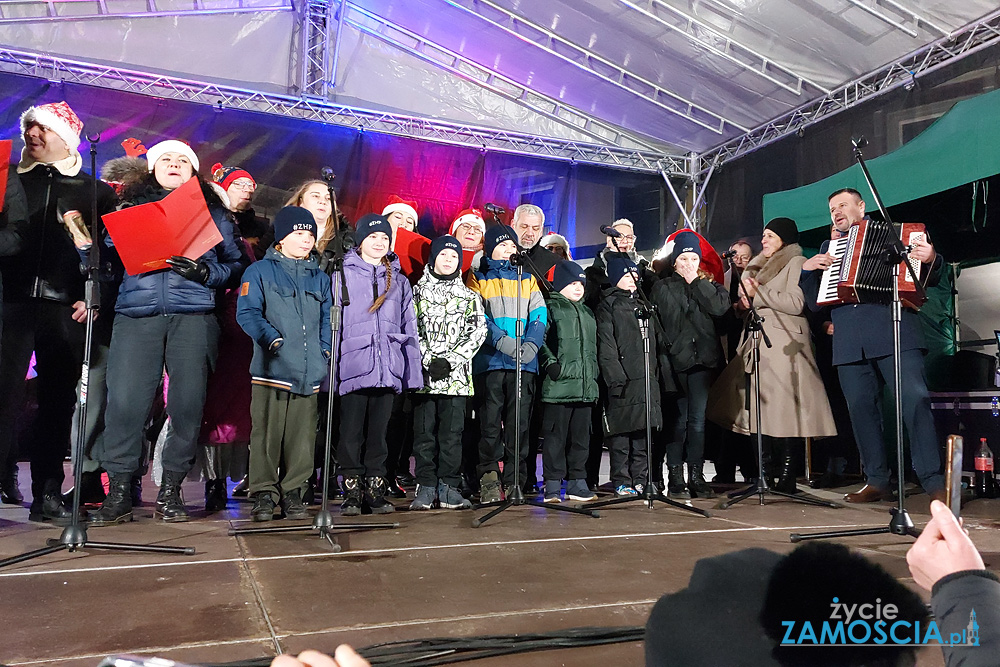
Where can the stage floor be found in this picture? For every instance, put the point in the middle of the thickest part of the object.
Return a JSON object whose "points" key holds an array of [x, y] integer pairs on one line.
{"points": [[527, 570]]}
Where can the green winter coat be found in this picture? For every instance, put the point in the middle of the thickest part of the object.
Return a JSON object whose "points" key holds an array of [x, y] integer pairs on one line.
{"points": [[571, 340]]}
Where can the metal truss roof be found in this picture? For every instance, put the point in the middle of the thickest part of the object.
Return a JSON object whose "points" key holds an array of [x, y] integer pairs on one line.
{"points": [[904, 72], [35, 11], [228, 97]]}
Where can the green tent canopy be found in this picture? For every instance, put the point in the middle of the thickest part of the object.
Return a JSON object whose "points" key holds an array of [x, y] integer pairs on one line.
{"points": [[961, 147]]}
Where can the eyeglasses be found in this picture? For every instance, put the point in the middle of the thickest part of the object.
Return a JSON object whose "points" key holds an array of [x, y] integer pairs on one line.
{"points": [[244, 185], [627, 237]]}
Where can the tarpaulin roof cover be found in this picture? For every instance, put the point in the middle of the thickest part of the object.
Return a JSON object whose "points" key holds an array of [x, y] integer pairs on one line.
{"points": [[744, 61], [961, 147]]}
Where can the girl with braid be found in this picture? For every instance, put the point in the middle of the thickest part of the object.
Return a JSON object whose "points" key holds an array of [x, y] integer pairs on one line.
{"points": [[379, 356]]}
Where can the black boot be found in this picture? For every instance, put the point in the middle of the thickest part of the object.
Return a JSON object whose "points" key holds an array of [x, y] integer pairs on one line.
{"points": [[786, 481], [91, 489], [353, 496], [676, 488], [47, 504], [169, 501], [117, 505], [263, 506], [696, 481], [375, 496], [10, 494], [215, 495], [292, 505]]}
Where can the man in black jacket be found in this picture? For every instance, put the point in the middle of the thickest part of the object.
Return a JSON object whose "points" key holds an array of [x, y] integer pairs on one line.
{"points": [[529, 221], [44, 291], [863, 355]]}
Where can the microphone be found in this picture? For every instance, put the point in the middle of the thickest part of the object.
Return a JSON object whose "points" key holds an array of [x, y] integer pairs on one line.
{"points": [[608, 230], [327, 173], [859, 142], [728, 254], [494, 209]]}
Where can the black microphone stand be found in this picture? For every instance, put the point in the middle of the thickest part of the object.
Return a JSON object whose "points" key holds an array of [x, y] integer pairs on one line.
{"points": [[515, 496], [646, 312], [323, 522], [755, 325], [74, 536], [895, 253]]}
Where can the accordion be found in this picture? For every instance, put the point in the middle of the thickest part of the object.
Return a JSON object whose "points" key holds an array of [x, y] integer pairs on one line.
{"points": [[859, 273]]}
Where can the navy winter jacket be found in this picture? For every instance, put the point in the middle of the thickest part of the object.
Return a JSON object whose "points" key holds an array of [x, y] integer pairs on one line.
{"points": [[166, 292], [288, 299]]}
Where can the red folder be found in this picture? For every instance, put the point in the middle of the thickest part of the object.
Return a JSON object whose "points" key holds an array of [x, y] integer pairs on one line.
{"points": [[147, 235], [467, 256], [413, 251], [4, 167]]}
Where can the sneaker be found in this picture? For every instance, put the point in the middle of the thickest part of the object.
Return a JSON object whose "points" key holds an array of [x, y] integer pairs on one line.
{"points": [[424, 498], [577, 489], [451, 498], [489, 488], [552, 489], [624, 490], [292, 505], [639, 488], [263, 506]]}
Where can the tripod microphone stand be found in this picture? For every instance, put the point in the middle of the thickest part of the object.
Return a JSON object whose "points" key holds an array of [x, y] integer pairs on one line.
{"points": [[896, 253], [760, 488], [650, 493], [74, 536], [323, 523], [515, 497]]}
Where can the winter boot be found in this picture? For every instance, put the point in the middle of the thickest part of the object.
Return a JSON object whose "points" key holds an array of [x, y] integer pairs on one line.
{"points": [[352, 497], [676, 488], [696, 481], [263, 506], [292, 505], [215, 495], [117, 505], [170, 501], [786, 480], [47, 504], [10, 494], [375, 489]]}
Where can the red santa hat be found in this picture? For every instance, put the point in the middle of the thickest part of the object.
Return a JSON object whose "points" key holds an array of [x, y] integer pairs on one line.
{"points": [[473, 216], [225, 176], [58, 117], [398, 204]]}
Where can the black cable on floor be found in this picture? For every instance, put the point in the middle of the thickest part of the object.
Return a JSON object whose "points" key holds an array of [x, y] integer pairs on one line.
{"points": [[450, 650]]}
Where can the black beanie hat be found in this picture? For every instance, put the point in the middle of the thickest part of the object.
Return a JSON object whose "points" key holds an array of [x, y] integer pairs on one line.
{"points": [[685, 242], [785, 229], [618, 265], [370, 224], [567, 272], [494, 236], [292, 219], [442, 243]]}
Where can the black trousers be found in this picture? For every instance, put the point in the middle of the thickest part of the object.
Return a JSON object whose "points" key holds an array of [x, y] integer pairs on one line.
{"points": [[187, 345], [364, 419], [47, 327], [689, 426], [438, 422], [566, 440], [629, 462], [283, 437], [497, 397], [400, 440]]}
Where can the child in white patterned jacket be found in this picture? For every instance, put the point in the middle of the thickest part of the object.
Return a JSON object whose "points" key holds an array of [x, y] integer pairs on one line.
{"points": [[451, 328]]}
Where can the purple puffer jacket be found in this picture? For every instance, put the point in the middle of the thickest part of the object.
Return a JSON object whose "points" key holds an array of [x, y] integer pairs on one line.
{"points": [[377, 349]]}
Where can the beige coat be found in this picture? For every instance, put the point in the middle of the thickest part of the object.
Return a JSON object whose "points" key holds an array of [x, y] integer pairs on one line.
{"points": [[793, 400]]}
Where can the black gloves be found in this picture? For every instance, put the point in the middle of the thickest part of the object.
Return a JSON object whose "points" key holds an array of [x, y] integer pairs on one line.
{"points": [[553, 370], [196, 270], [439, 368]]}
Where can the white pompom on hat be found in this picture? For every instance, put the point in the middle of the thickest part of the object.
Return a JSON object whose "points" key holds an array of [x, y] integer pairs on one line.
{"points": [[171, 146]]}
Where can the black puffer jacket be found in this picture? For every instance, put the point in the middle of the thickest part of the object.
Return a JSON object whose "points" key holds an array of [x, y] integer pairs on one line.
{"points": [[48, 264], [619, 355], [687, 313]]}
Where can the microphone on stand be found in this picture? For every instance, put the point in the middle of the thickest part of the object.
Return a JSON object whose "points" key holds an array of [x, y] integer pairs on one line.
{"points": [[608, 230], [728, 254], [494, 209], [327, 173]]}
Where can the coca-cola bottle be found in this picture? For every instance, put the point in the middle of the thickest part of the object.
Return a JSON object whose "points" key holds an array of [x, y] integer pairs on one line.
{"points": [[985, 485]]}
